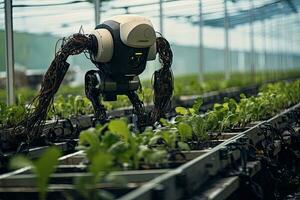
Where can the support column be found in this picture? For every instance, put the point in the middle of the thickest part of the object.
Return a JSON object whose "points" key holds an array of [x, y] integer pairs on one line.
{"points": [[251, 35], [9, 48], [273, 47], [201, 46], [264, 47], [292, 40], [264, 50], [97, 11], [279, 50], [161, 23], [227, 66]]}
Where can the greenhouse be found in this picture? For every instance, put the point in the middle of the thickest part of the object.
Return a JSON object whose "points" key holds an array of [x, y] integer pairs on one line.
{"points": [[150, 99]]}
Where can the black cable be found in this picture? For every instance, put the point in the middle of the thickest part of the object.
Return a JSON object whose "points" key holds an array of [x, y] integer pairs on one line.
{"points": [[35, 119], [163, 81], [42, 5]]}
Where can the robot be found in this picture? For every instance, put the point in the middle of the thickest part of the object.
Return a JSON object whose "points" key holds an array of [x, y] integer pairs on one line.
{"points": [[121, 47]]}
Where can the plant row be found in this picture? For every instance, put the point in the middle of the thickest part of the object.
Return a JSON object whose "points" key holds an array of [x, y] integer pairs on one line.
{"points": [[114, 146], [70, 101]]}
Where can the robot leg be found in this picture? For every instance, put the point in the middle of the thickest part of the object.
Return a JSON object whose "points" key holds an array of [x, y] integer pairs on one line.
{"points": [[93, 94], [139, 110]]}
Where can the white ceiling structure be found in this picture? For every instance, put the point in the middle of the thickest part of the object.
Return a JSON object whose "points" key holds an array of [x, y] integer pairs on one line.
{"points": [[64, 17]]}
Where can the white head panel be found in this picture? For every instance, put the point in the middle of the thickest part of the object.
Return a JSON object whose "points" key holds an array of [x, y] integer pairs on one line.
{"points": [[105, 45], [135, 31]]}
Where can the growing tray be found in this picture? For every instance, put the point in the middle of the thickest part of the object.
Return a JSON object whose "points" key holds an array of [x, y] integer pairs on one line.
{"points": [[190, 178], [64, 132], [198, 175]]}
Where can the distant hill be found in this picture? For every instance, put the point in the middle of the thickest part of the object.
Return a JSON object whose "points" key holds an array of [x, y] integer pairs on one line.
{"points": [[31, 50]]}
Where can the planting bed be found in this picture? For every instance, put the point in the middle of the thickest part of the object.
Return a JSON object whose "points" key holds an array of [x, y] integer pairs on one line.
{"points": [[63, 133], [232, 150], [219, 172], [224, 162]]}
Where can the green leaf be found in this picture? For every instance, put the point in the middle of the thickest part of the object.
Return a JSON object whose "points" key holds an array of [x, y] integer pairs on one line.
{"points": [[157, 156], [45, 166], [232, 105], [101, 162], [185, 131], [192, 111], [108, 139], [83, 185], [153, 140], [197, 104], [183, 146], [118, 148], [199, 125], [243, 96], [164, 122], [180, 118], [144, 152], [19, 161], [78, 104], [169, 137], [89, 137], [181, 110], [218, 106], [119, 127], [123, 152], [152, 156]]}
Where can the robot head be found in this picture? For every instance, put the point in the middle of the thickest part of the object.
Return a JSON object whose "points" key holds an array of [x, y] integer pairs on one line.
{"points": [[124, 44]]}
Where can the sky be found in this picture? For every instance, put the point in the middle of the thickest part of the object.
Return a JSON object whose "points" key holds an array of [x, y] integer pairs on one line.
{"points": [[64, 20]]}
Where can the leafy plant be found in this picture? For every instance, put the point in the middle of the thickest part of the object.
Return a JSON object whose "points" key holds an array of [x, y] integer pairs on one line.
{"points": [[190, 123], [114, 145], [66, 107], [71, 102], [128, 149], [42, 168], [11, 115], [231, 114], [100, 166], [185, 131]]}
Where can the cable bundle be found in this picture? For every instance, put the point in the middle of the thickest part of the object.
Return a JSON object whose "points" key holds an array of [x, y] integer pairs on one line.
{"points": [[54, 76], [162, 80]]}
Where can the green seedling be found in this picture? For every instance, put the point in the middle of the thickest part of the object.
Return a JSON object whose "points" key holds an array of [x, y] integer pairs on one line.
{"points": [[43, 167]]}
